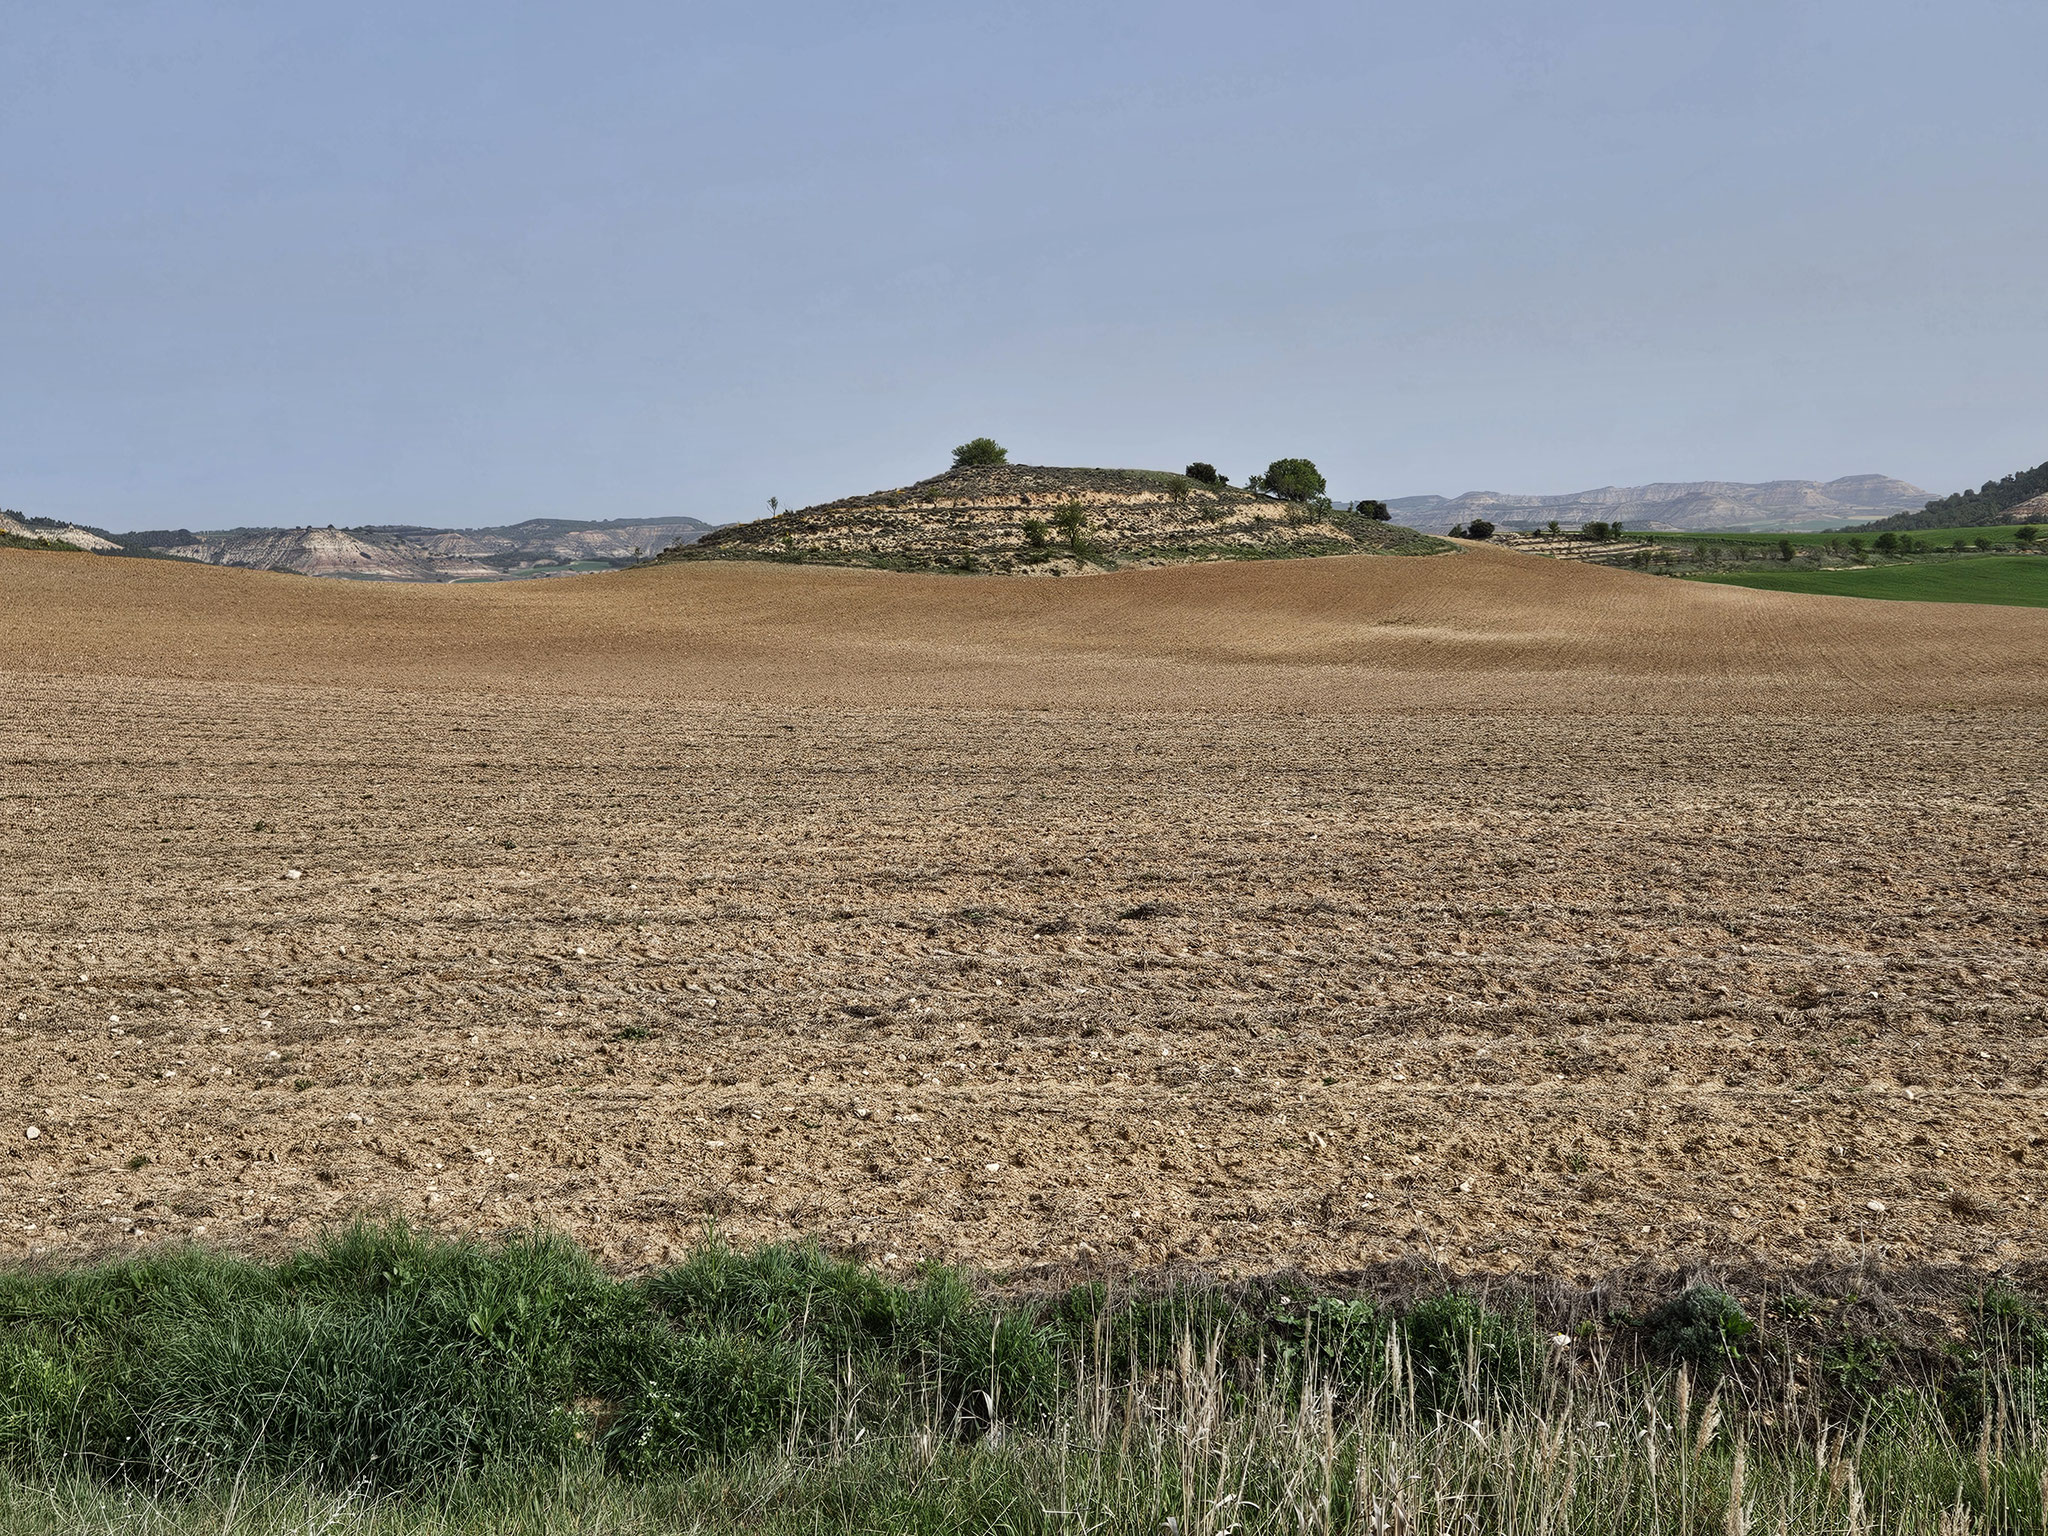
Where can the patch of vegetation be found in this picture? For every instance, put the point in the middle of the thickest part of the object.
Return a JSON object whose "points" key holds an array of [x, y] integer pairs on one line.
{"points": [[393, 1379], [1206, 474], [980, 452], [2015, 580], [1293, 480], [1970, 508], [1703, 1327]]}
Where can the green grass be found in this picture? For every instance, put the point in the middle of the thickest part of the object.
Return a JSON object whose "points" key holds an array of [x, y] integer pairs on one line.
{"points": [[394, 1382], [1935, 538], [2018, 580]]}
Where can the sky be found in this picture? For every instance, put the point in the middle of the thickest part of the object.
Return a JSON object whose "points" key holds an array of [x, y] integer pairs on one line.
{"points": [[467, 262]]}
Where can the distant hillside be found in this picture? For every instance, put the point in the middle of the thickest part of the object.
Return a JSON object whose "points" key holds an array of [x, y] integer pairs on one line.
{"points": [[1998, 501], [20, 527], [1792, 506], [1022, 519], [403, 552]]}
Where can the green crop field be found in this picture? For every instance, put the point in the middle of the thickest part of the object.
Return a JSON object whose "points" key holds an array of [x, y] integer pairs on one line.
{"points": [[1935, 538], [2018, 580]]}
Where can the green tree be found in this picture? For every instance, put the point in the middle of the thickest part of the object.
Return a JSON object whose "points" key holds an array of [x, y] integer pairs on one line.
{"points": [[1594, 531], [1887, 543], [1034, 533], [1479, 528], [1206, 473], [1072, 520], [1376, 511], [1294, 480], [1785, 549], [2027, 534], [980, 453]]}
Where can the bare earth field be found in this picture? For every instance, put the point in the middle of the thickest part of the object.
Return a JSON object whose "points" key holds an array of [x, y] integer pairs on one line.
{"points": [[1511, 914]]}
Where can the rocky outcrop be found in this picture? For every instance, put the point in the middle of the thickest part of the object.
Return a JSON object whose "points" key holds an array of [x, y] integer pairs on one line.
{"points": [[1034, 520], [1693, 505], [539, 546], [47, 531]]}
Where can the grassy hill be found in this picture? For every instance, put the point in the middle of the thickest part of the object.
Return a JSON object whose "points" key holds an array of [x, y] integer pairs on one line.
{"points": [[1987, 504], [1021, 519]]}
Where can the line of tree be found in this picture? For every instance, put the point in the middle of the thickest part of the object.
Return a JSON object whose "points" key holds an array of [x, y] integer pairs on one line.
{"points": [[1969, 509]]}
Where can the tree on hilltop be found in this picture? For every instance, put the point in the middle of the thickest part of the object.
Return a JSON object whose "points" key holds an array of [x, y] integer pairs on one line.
{"points": [[1206, 473], [980, 453], [1294, 480]]}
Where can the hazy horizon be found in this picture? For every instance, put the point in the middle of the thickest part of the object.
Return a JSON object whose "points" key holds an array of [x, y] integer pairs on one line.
{"points": [[366, 265]]}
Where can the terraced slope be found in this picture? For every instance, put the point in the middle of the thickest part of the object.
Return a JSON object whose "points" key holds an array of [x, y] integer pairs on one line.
{"points": [[1029, 520]]}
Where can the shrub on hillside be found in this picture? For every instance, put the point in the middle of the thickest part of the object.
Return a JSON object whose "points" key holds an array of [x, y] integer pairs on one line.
{"points": [[1206, 473], [1294, 480], [980, 453], [1375, 511], [1479, 528], [1034, 533]]}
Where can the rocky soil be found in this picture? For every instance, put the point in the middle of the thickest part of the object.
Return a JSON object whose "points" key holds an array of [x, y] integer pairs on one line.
{"points": [[1034, 988]]}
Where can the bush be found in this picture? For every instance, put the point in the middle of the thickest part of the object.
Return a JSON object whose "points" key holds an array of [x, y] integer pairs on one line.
{"points": [[1375, 511], [1206, 473], [1034, 533], [1479, 528], [1785, 549], [2027, 533], [1703, 1327], [980, 453], [1294, 480], [1887, 543], [1072, 522], [1594, 531]]}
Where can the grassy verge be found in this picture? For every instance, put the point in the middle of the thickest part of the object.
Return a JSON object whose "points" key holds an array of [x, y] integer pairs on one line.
{"points": [[2018, 580], [394, 1382]]}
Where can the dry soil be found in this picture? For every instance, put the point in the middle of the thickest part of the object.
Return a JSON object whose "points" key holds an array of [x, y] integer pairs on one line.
{"points": [[1503, 912]]}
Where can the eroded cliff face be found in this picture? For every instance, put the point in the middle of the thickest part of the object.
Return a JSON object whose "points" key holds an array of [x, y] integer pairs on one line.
{"points": [[1020, 519], [404, 553]]}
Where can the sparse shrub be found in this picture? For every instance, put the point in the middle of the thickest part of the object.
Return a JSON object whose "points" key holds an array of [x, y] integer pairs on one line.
{"points": [[980, 453], [1703, 1326], [1034, 533], [1375, 511], [1294, 479], [1458, 531], [1206, 473], [1479, 528], [2027, 533], [1464, 1355]]}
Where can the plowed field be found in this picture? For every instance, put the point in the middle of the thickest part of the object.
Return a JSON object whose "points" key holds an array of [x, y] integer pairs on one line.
{"points": [[1503, 912]]}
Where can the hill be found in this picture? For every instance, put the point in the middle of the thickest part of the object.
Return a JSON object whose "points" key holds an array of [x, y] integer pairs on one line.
{"points": [[406, 552], [1678, 506], [1022, 519], [2018, 498], [21, 530]]}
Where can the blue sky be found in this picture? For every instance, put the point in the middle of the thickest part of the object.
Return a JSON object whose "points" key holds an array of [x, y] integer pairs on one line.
{"points": [[462, 262]]}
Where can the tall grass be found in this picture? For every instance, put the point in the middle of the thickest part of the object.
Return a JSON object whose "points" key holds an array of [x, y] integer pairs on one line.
{"points": [[392, 1382]]}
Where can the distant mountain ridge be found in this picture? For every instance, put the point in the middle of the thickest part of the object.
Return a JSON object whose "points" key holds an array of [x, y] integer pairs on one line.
{"points": [[1685, 506], [398, 552]]}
